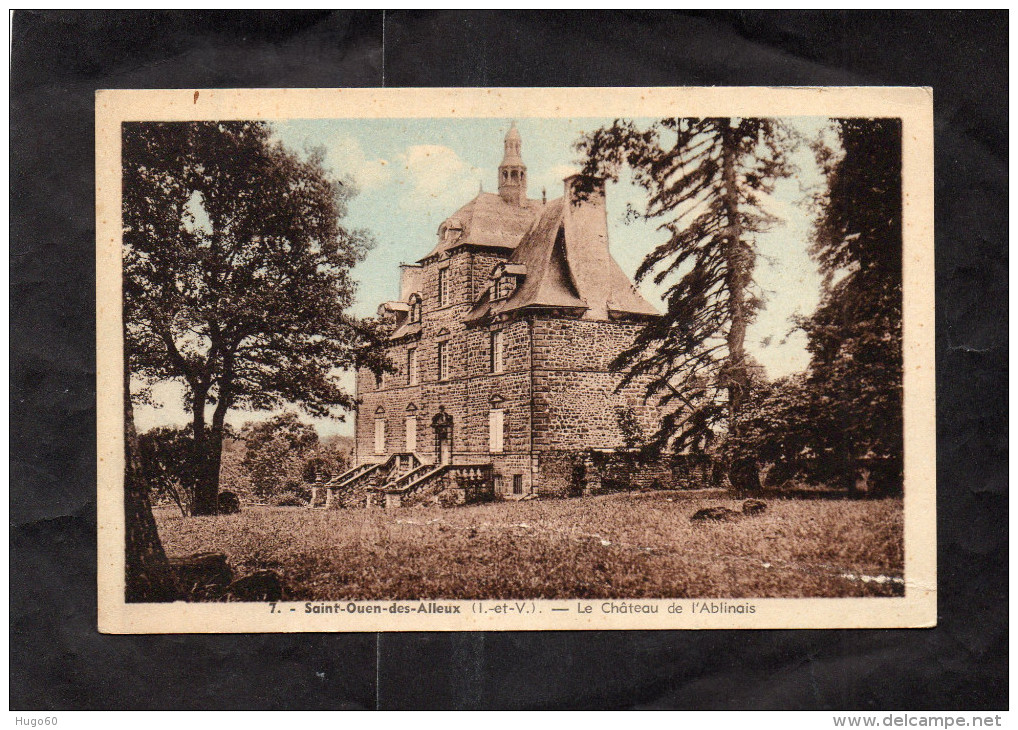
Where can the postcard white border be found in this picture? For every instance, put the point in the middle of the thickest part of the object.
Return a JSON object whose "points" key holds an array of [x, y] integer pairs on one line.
{"points": [[917, 608]]}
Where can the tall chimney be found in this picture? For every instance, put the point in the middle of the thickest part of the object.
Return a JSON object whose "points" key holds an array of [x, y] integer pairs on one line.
{"points": [[585, 217], [409, 280]]}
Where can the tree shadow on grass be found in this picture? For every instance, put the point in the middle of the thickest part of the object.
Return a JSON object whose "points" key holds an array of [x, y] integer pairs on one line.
{"points": [[815, 494]]}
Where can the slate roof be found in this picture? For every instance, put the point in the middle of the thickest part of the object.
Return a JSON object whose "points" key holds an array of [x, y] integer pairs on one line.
{"points": [[406, 329], [489, 221], [568, 265]]}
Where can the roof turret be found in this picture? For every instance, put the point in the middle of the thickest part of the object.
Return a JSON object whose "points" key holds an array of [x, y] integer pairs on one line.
{"points": [[565, 263], [513, 147], [512, 173]]}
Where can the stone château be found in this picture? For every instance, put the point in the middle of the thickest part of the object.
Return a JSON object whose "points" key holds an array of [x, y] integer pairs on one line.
{"points": [[501, 341]]}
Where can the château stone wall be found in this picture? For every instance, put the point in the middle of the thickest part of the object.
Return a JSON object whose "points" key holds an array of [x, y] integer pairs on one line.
{"points": [[575, 472], [468, 392], [575, 402], [556, 390]]}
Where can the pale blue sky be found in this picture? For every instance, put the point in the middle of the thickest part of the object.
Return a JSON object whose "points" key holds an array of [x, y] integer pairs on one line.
{"points": [[413, 173]]}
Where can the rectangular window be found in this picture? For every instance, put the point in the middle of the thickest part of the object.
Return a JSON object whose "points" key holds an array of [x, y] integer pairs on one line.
{"points": [[411, 366], [411, 433], [496, 430], [497, 357], [517, 484], [443, 360], [379, 435], [443, 287]]}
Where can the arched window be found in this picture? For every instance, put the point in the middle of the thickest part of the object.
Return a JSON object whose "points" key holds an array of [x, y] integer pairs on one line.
{"points": [[415, 308]]}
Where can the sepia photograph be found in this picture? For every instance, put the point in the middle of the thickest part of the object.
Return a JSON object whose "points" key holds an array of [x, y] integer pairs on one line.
{"points": [[506, 368], [457, 360]]}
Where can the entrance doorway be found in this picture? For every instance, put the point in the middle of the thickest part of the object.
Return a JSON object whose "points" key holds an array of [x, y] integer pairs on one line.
{"points": [[442, 426]]}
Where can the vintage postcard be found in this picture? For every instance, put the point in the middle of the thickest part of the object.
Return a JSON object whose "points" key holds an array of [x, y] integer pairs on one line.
{"points": [[515, 359]]}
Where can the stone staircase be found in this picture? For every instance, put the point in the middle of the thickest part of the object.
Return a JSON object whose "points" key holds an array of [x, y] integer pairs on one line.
{"points": [[352, 488], [443, 484]]}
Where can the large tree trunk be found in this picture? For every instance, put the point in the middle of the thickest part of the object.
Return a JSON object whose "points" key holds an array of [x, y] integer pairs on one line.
{"points": [[206, 487], [736, 278], [211, 450], [215, 442], [744, 471], [148, 575]]}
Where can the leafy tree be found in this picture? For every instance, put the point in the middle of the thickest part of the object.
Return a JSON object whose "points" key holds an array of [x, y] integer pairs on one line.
{"points": [[166, 462], [633, 435], [326, 461], [706, 181], [854, 337], [276, 452], [232, 474], [779, 427], [845, 411], [236, 276]]}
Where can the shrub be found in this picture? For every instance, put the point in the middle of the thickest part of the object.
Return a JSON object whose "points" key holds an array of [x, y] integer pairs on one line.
{"points": [[288, 499], [229, 503]]}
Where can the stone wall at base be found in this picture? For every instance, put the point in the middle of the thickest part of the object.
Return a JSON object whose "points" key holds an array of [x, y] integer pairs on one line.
{"points": [[512, 472], [573, 473], [559, 474]]}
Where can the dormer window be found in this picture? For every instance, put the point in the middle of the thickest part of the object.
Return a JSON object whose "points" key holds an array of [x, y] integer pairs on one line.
{"points": [[506, 278], [415, 308], [450, 231], [504, 286]]}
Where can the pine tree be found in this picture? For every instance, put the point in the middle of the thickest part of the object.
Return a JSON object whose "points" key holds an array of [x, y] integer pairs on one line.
{"points": [[706, 181], [855, 337]]}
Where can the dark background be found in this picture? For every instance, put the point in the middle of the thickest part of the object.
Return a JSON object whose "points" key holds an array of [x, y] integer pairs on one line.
{"points": [[59, 661]]}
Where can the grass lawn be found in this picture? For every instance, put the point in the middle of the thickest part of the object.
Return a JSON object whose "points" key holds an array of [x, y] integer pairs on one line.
{"points": [[613, 546]]}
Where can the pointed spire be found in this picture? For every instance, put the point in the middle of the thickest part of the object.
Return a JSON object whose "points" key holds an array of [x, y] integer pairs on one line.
{"points": [[513, 146], [512, 173]]}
